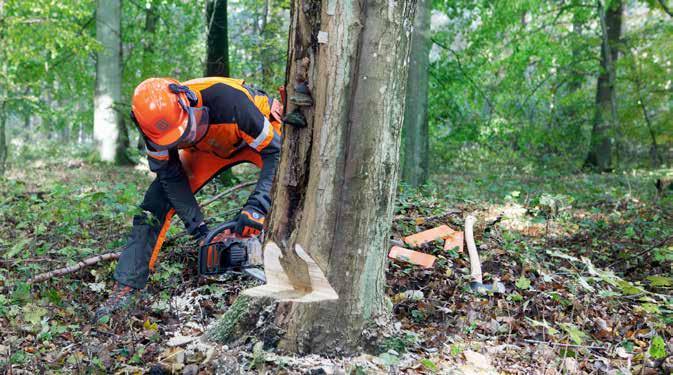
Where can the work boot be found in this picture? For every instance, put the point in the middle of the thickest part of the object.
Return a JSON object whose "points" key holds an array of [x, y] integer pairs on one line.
{"points": [[121, 297]]}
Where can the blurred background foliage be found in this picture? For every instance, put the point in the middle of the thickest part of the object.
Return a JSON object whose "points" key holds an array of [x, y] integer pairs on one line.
{"points": [[513, 79], [48, 54], [521, 76]]}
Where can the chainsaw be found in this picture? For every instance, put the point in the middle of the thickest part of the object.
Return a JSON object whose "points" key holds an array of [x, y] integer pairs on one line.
{"points": [[224, 251]]}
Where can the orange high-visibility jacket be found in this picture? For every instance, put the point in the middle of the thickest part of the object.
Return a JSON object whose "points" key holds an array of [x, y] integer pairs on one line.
{"points": [[242, 129]]}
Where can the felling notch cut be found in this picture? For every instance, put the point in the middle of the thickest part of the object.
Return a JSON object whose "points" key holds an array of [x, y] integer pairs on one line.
{"points": [[312, 287]]}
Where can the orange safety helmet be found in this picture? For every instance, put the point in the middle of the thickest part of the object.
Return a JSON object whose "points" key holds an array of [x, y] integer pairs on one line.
{"points": [[161, 109]]}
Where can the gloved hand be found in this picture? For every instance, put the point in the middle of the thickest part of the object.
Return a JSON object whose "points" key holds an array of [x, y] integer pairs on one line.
{"points": [[200, 232], [249, 223]]}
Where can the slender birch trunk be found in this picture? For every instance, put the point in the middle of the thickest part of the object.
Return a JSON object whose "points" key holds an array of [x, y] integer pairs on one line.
{"points": [[107, 120]]}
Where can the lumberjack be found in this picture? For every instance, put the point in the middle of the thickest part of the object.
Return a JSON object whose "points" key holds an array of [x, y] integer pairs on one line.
{"points": [[193, 131]]}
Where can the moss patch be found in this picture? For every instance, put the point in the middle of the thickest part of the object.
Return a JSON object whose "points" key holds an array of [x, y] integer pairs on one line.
{"points": [[226, 328]]}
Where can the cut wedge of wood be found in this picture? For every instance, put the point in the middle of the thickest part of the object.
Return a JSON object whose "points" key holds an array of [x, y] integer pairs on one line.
{"points": [[429, 235], [278, 285]]}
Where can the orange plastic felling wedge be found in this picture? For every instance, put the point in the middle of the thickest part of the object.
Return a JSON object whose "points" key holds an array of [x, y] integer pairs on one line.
{"points": [[429, 235], [455, 240], [412, 257]]}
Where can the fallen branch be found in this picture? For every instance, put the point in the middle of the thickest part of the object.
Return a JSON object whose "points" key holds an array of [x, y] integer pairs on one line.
{"points": [[551, 343], [227, 192], [70, 269], [643, 252], [116, 253]]}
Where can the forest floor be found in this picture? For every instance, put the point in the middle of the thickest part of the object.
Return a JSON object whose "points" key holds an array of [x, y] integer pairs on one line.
{"points": [[586, 260]]}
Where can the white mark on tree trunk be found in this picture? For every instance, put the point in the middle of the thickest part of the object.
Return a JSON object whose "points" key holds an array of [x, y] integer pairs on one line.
{"points": [[322, 37]]}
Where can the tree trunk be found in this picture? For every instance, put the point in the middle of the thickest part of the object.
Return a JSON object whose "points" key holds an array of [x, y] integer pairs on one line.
{"points": [[3, 137], [416, 148], [3, 97], [337, 177], [151, 17], [605, 116], [107, 120], [217, 54], [654, 148], [266, 54], [123, 144]]}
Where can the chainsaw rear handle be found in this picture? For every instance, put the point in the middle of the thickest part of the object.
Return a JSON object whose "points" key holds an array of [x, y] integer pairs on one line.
{"points": [[219, 257], [219, 229]]}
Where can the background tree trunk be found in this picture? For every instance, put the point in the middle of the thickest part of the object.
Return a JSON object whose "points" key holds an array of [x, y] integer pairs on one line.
{"points": [[217, 54], [4, 150], [266, 54], [107, 120], [337, 177], [416, 146], [151, 17], [605, 117], [3, 137]]}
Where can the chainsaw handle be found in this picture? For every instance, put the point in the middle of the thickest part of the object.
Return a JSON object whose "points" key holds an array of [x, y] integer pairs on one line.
{"points": [[219, 229]]}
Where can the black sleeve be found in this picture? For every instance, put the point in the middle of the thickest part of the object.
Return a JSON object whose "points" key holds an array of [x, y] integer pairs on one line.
{"points": [[260, 199], [174, 181]]}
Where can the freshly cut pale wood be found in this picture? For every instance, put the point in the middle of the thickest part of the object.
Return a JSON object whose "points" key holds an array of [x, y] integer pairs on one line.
{"points": [[475, 264], [411, 256], [429, 235], [278, 285]]}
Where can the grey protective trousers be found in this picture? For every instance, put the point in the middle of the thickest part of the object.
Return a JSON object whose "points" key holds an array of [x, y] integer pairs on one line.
{"points": [[133, 266]]}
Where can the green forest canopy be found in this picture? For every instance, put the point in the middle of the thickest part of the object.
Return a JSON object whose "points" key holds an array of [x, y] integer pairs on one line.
{"points": [[506, 76]]}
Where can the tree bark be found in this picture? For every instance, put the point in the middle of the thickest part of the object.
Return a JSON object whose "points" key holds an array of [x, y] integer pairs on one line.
{"points": [[151, 17], [605, 116], [107, 120], [4, 150], [654, 148], [217, 54], [3, 137], [415, 129], [337, 177]]}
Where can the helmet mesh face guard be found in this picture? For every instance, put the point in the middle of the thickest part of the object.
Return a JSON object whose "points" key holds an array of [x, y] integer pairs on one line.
{"points": [[197, 125]]}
